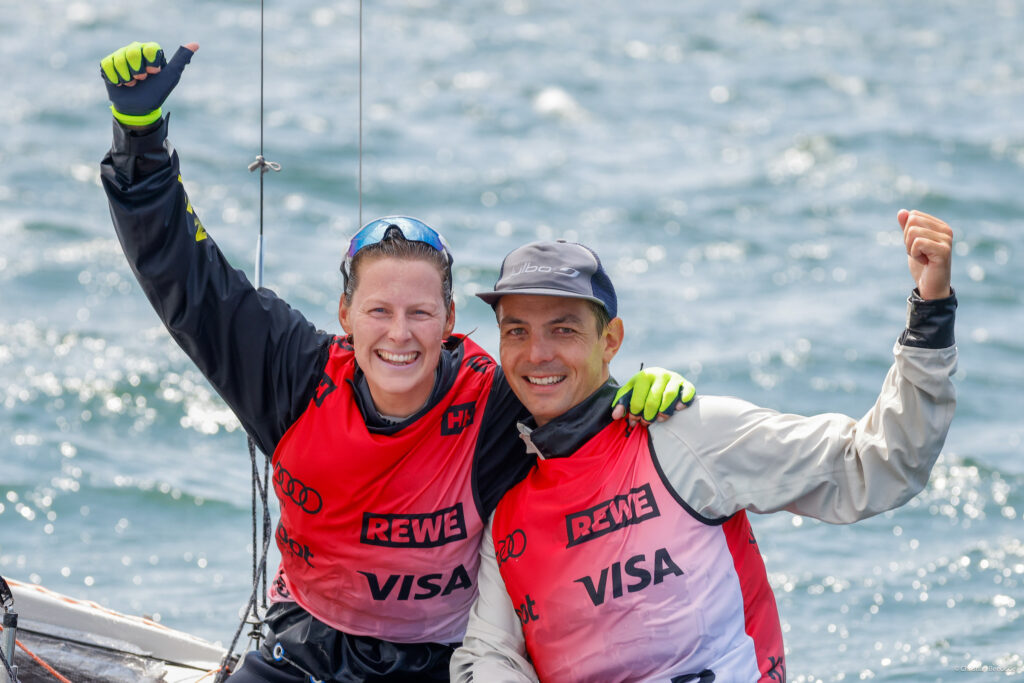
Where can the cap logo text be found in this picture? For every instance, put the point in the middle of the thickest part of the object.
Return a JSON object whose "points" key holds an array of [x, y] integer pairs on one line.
{"points": [[527, 267]]}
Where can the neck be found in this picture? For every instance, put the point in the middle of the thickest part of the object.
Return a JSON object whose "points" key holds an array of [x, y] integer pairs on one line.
{"points": [[398, 406], [563, 435]]}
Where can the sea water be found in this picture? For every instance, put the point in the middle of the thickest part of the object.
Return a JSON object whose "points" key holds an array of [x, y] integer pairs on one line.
{"points": [[737, 165]]}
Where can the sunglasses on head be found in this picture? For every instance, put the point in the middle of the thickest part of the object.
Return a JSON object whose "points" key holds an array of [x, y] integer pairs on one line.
{"points": [[411, 229]]}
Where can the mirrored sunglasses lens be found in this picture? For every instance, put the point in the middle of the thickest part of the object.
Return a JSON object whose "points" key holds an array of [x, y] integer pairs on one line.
{"points": [[411, 229]]}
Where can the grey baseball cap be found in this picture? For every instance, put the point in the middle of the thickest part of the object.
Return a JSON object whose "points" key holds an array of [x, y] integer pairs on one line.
{"points": [[558, 268]]}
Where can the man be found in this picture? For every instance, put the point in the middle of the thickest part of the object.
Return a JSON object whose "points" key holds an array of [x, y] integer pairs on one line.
{"points": [[625, 554]]}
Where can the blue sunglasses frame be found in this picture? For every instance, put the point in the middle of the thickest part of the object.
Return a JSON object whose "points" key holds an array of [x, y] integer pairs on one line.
{"points": [[411, 229]]}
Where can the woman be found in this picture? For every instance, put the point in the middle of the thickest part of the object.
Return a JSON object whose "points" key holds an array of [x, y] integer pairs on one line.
{"points": [[390, 446]]}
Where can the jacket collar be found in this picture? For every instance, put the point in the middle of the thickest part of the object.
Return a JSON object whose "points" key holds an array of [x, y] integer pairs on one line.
{"points": [[444, 377], [564, 435]]}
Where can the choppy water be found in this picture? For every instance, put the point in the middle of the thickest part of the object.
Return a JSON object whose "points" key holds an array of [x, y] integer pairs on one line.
{"points": [[738, 165]]}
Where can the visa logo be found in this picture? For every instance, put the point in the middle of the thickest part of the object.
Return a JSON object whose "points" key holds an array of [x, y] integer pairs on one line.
{"points": [[634, 568], [428, 585]]}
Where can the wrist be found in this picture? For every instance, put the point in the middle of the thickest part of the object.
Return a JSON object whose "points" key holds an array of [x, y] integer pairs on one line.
{"points": [[137, 119], [930, 322]]}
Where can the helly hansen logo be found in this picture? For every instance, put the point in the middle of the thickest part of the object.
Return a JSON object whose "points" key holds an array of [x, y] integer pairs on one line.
{"points": [[426, 586], [324, 389], [480, 363], [637, 567], [621, 511], [457, 418], [427, 530]]}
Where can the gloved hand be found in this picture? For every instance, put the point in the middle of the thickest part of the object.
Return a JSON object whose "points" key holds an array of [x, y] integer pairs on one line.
{"points": [[655, 391], [139, 79]]}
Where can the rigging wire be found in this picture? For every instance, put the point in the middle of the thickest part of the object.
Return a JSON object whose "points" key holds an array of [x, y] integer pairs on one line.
{"points": [[252, 613], [360, 184], [260, 488]]}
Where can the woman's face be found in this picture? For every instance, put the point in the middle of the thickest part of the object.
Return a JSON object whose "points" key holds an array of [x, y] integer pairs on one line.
{"points": [[398, 321]]}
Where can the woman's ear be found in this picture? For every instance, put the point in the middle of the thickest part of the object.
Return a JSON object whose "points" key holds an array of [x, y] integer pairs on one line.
{"points": [[343, 313], [449, 324]]}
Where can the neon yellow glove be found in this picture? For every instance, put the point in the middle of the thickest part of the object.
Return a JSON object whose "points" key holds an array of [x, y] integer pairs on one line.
{"points": [[655, 391], [139, 79]]}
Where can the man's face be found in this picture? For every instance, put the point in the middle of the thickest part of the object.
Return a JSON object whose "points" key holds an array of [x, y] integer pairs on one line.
{"points": [[552, 353]]}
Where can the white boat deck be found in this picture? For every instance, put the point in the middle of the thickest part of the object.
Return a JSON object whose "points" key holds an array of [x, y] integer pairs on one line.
{"points": [[86, 642]]}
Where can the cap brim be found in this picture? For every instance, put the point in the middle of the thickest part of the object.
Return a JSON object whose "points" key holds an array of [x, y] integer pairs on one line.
{"points": [[493, 297]]}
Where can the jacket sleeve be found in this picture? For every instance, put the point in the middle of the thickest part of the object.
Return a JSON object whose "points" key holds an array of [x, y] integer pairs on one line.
{"points": [[494, 650], [500, 461], [263, 358], [722, 455]]}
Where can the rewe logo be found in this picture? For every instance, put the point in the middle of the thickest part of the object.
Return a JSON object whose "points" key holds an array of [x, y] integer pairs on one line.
{"points": [[633, 568], [427, 530], [605, 517], [428, 585], [527, 267]]}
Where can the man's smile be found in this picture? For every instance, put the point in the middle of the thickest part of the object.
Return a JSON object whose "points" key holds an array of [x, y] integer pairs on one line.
{"points": [[544, 381]]}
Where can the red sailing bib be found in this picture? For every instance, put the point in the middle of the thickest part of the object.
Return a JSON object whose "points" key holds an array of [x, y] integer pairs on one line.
{"points": [[614, 580], [379, 533]]}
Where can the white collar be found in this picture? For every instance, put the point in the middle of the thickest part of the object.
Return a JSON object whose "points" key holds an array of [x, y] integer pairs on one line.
{"points": [[524, 434]]}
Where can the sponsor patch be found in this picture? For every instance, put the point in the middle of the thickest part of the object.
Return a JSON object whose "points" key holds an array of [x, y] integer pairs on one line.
{"points": [[624, 510], [427, 530]]}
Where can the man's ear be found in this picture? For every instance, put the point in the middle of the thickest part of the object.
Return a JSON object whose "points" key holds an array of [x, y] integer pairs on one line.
{"points": [[612, 338]]}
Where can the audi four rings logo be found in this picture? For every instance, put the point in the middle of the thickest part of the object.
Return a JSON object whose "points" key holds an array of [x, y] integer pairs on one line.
{"points": [[306, 497], [511, 546]]}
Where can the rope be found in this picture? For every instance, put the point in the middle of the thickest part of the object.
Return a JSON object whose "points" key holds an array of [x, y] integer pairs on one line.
{"points": [[250, 607], [208, 674], [265, 496]]}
